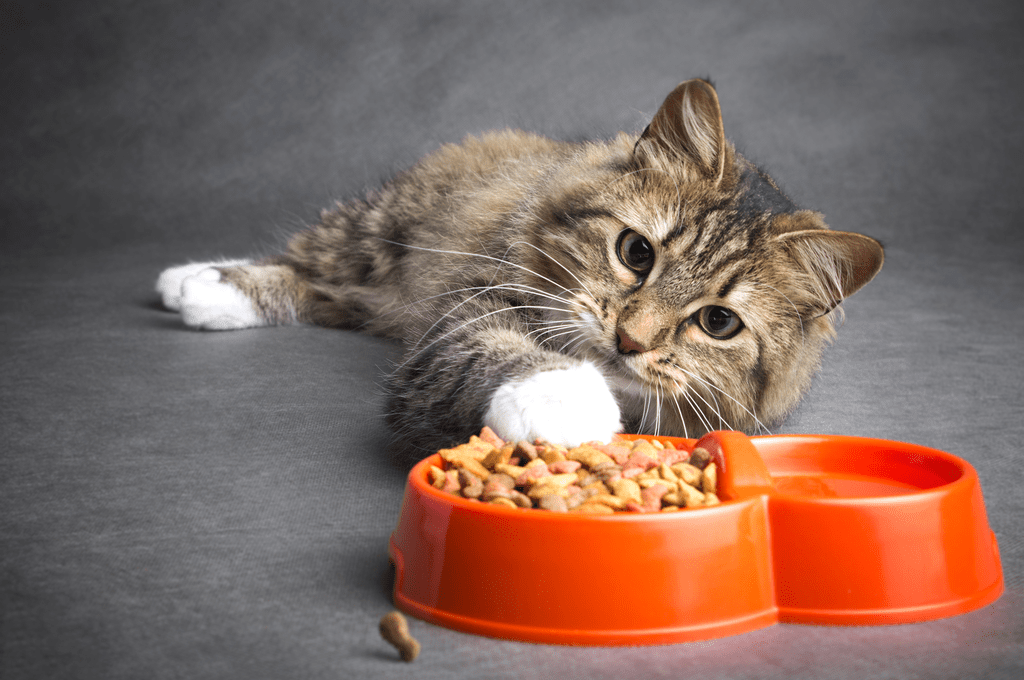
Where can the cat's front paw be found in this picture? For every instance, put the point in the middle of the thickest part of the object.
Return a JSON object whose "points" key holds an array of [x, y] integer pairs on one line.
{"points": [[565, 406]]}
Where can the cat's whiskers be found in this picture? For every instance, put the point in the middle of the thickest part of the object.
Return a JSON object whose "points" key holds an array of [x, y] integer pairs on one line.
{"points": [[712, 386], [554, 330], [499, 260], [481, 290], [715, 409], [698, 412], [549, 256], [657, 412], [679, 410], [416, 350]]}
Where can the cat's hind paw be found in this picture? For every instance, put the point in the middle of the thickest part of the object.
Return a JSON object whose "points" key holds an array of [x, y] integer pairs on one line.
{"points": [[564, 406], [168, 284], [204, 300]]}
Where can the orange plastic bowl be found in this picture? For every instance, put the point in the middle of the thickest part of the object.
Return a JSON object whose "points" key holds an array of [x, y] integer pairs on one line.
{"points": [[812, 529]]}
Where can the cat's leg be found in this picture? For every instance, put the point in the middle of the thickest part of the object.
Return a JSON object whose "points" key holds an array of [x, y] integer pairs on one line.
{"points": [[480, 366], [233, 294]]}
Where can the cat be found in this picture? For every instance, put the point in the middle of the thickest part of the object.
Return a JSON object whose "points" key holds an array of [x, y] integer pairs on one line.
{"points": [[655, 282]]}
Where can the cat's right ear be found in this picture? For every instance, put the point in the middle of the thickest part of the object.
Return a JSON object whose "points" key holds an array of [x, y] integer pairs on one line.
{"points": [[687, 130]]}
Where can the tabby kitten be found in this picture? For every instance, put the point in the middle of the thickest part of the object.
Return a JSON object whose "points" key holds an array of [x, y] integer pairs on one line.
{"points": [[658, 283]]}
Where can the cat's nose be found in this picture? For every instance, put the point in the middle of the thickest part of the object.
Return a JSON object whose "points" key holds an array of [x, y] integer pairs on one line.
{"points": [[628, 345]]}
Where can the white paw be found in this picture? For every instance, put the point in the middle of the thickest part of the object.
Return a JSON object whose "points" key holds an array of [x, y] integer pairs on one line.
{"points": [[168, 284], [567, 406], [213, 305]]}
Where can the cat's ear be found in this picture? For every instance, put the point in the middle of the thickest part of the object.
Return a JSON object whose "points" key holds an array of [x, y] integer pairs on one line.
{"points": [[833, 265], [688, 129]]}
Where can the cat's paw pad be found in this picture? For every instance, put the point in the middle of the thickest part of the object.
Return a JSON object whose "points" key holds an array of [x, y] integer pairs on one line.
{"points": [[168, 284], [566, 406], [214, 305]]}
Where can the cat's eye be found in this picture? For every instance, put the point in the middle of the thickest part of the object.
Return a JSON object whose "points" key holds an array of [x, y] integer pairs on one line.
{"points": [[719, 322], [635, 252]]}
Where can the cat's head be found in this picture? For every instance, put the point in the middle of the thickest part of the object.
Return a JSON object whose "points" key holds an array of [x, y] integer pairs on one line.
{"points": [[690, 277]]}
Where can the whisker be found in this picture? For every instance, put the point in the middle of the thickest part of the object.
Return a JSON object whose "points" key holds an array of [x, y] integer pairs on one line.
{"points": [[550, 257], [700, 414], [459, 291], [545, 333], [657, 412], [572, 331], [481, 317], [481, 291], [714, 409], [679, 410], [499, 260], [725, 394]]}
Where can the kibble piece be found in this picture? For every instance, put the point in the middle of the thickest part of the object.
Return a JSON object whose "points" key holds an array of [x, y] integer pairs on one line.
{"points": [[646, 478], [551, 454], [563, 466], [451, 482], [700, 457], [521, 499], [650, 498], [618, 452], [437, 476], [512, 471], [553, 503], [395, 629], [592, 508], [612, 501], [690, 496], [472, 486], [502, 455], [551, 484], [576, 496], [666, 473], [525, 450], [709, 482], [688, 473], [468, 456], [488, 435], [626, 489]]}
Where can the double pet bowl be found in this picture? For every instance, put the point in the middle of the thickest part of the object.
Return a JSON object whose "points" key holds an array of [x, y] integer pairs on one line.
{"points": [[811, 529]]}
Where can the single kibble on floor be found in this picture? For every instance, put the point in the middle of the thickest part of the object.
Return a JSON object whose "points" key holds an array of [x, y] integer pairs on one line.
{"points": [[395, 629], [593, 478]]}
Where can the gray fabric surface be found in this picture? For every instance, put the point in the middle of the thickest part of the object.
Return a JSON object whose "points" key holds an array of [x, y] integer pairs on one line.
{"points": [[180, 504]]}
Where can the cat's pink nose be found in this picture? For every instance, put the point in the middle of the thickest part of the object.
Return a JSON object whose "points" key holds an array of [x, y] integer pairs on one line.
{"points": [[627, 345]]}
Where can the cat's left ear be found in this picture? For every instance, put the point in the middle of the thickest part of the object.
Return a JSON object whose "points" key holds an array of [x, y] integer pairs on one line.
{"points": [[688, 130], [836, 265]]}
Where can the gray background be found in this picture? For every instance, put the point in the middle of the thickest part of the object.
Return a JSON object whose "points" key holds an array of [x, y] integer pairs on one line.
{"points": [[181, 504]]}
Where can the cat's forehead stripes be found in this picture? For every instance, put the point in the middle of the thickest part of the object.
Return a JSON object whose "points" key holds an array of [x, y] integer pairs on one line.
{"points": [[748, 207], [575, 214]]}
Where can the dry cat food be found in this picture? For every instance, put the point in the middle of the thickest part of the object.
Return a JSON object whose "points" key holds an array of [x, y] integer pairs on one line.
{"points": [[395, 629], [622, 476]]}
